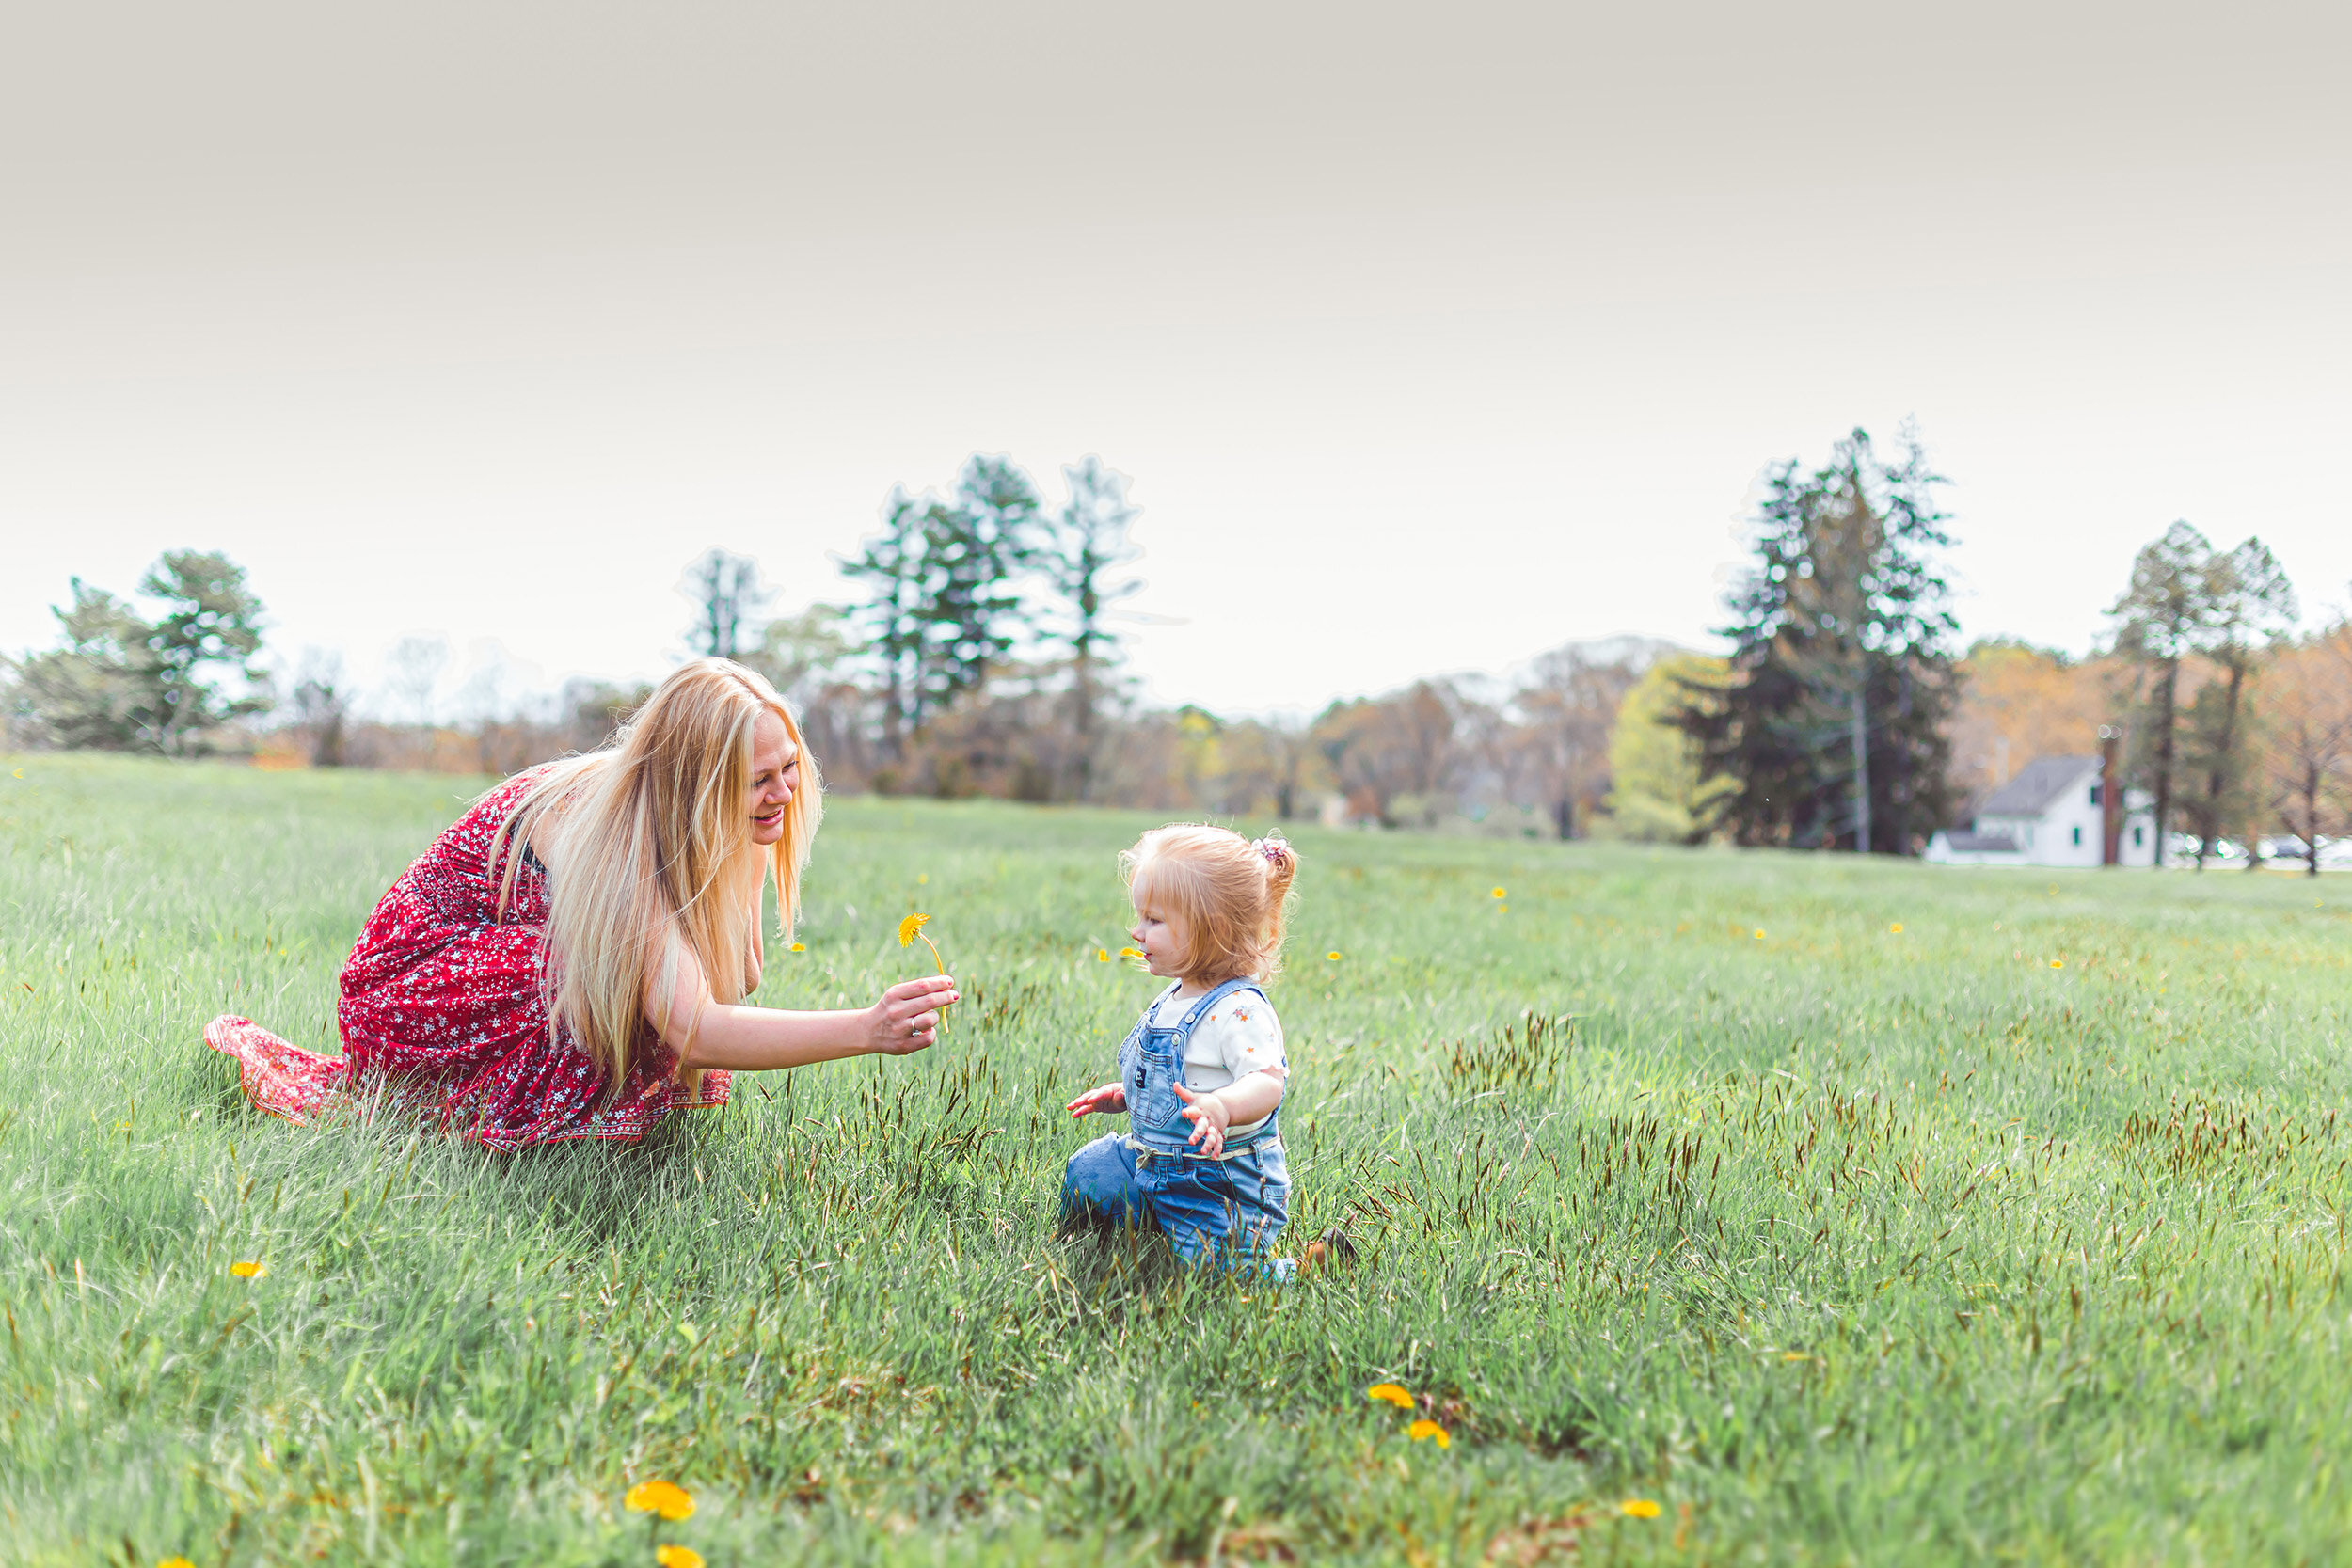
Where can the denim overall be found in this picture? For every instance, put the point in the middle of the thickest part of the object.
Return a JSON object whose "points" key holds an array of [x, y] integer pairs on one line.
{"points": [[1227, 1209]]}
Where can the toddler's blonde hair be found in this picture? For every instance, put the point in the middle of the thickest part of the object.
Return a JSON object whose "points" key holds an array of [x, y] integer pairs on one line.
{"points": [[1232, 894]]}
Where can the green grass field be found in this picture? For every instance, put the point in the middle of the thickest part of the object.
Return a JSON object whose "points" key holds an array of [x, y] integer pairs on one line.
{"points": [[1684, 1177]]}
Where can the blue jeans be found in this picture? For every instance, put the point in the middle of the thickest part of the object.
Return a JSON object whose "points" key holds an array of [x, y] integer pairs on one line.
{"points": [[1225, 1211]]}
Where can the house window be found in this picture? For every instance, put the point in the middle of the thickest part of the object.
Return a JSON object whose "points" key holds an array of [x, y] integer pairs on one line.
{"points": [[2094, 795], [2078, 836], [2137, 839]]}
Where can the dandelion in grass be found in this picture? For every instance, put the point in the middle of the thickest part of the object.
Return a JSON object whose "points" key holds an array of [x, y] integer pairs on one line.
{"points": [[254, 1270], [1759, 933], [1421, 1431], [2058, 963], [912, 927], [799, 947], [170, 1561], [1499, 893], [667, 1498], [1897, 927], [1333, 955], [678, 1556], [1638, 1508], [1393, 1393], [1131, 952]]}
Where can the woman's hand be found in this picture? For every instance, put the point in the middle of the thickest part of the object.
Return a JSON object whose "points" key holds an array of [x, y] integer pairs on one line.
{"points": [[906, 1019], [1110, 1097], [1210, 1117]]}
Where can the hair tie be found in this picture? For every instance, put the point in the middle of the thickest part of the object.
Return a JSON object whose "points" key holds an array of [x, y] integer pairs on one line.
{"points": [[1266, 847]]}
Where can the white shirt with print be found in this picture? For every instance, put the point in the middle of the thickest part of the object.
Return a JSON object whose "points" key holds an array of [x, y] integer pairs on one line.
{"points": [[1236, 1038]]}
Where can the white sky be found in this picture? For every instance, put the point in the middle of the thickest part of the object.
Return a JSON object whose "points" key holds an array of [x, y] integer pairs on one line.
{"points": [[1433, 337]]}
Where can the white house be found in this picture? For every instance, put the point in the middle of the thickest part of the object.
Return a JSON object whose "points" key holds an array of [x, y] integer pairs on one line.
{"points": [[2053, 812]]}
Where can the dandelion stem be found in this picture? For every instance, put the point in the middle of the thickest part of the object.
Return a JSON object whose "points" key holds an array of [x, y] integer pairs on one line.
{"points": [[943, 968]]}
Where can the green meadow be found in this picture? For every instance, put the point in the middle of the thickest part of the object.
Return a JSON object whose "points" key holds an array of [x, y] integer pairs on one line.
{"points": [[1848, 1212]]}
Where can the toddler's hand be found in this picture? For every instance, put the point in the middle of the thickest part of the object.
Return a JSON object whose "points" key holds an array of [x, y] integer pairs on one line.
{"points": [[1110, 1097], [1209, 1119]]}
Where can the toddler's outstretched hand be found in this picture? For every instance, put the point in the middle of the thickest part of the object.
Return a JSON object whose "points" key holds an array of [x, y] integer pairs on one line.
{"points": [[1209, 1117], [1110, 1097]]}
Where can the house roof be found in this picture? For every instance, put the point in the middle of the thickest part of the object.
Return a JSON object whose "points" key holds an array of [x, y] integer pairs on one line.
{"points": [[2037, 786]]}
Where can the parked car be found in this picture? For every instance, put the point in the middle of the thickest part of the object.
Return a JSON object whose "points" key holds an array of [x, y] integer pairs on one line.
{"points": [[2286, 852]]}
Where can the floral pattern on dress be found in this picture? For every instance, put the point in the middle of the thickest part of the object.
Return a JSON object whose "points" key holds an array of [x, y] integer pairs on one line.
{"points": [[442, 1011]]}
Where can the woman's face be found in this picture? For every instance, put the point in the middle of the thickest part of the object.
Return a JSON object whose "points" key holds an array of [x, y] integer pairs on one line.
{"points": [[775, 774], [1163, 938]]}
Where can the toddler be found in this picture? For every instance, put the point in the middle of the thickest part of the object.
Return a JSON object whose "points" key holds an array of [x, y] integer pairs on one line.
{"points": [[1201, 1072]]}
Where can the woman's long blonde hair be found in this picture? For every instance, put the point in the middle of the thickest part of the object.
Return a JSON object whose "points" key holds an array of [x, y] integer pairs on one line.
{"points": [[652, 857]]}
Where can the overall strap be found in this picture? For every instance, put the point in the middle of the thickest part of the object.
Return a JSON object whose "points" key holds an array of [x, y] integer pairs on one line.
{"points": [[1151, 1009], [1199, 1010]]}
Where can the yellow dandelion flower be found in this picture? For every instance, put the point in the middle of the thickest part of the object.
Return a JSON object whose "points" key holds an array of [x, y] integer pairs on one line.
{"points": [[666, 1498], [1499, 893], [922, 879], [1392, 1392], [1131, 952], [1333, 955], [1759, 933], [2058, 963], [1504, 908], [1897, 927], [799, 947], [678, 1556], [911, 927], [170, 1561], [249, 1271], [1638, 1508], [1102, 955], [1421, 1431]]}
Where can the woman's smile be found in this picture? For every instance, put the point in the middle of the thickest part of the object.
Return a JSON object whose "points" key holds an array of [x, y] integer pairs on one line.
{"points": [[775, 773]]}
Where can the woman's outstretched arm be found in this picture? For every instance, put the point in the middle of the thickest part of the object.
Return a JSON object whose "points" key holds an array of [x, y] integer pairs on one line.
{"points": [[754, 1039]]}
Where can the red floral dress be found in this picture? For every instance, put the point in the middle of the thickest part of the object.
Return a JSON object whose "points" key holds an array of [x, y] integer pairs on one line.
{"points": [[441, 1010]]}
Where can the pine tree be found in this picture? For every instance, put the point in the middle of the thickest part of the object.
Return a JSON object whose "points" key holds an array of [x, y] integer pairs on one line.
{"points": [[1089, 545], [728, 599], [2253, 611], [2163, 618], [121, 682], [1831, 728], [892, 567], [976, 545]]}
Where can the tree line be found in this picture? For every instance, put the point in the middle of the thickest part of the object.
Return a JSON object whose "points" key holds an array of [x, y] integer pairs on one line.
{"points": [[982, 653]]}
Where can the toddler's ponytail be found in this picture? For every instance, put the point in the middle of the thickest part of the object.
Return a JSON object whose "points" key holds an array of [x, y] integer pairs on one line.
{"points": [[1281, 868]]}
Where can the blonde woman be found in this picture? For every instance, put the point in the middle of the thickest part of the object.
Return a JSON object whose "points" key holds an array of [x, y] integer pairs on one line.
{"points": [[569, 960]]}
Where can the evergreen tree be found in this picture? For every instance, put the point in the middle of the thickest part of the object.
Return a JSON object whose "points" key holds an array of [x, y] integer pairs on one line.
{"points": [[976, 545], [121, 682], [2252, 611], [1090, 545], [728, 599], [892, 567], [1831, 728], [2165, 617]]}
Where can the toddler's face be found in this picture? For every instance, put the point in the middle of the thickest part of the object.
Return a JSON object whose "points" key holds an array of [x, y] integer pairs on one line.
{"points": [[1162, 937]]}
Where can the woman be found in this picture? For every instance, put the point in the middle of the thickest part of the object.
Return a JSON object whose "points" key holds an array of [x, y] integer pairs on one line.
{"points": [[569, 960]]}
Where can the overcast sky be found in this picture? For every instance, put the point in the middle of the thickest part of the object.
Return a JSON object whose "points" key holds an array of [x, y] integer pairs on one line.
{"points": [[1432, 337]]}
